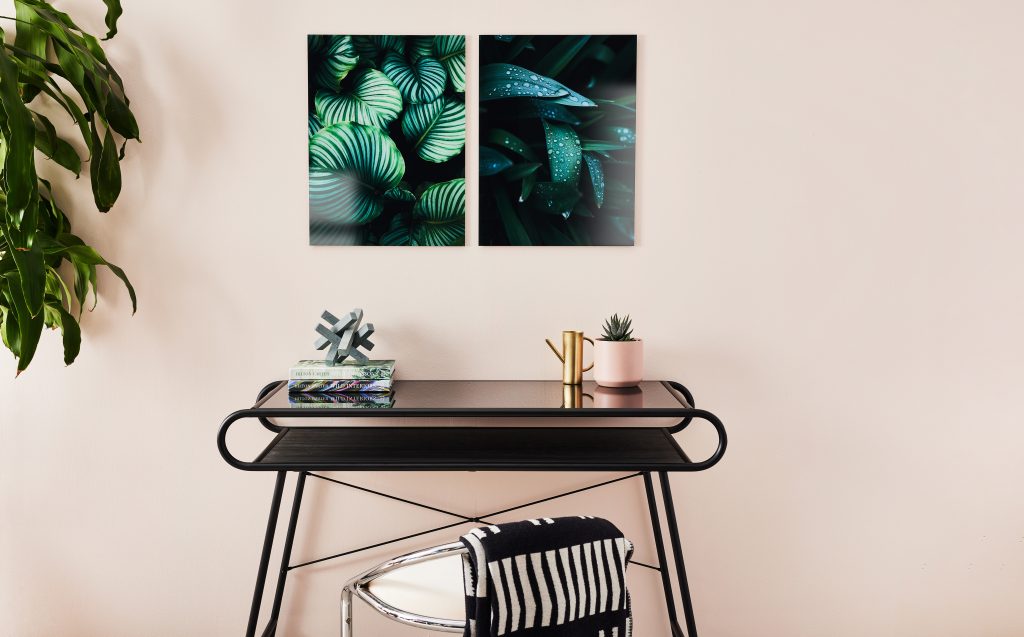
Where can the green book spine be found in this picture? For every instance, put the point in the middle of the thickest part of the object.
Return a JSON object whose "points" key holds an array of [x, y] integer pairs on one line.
{"points": [[319, 370]]}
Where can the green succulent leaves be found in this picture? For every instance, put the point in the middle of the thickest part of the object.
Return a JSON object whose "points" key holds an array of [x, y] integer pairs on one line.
{"points": [[372, 100], [436, 130], [385, 138]]}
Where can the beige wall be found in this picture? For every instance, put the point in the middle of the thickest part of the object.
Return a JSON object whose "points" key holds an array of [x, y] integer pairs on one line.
{"points": [[830, 199]]}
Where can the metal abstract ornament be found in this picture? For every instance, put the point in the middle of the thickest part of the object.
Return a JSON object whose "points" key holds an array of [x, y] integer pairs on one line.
{"points": [[343, 337]]}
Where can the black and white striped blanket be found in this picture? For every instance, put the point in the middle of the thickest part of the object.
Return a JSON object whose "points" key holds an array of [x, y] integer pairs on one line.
{"points": [[549, 577]]}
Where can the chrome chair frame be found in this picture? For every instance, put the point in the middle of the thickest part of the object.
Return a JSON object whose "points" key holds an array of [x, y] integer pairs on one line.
{"points": [[359, 587]]}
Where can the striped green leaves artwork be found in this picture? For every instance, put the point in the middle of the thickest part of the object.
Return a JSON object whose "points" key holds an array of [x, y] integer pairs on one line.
{"points": [[372, 101], [387, 136], [436, 130], [419, 81], [335, 56], [437, 219], [351, 166], [451, 52]]}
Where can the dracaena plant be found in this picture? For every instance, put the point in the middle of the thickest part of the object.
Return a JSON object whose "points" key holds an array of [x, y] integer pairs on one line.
{"points": [[46, 272]]}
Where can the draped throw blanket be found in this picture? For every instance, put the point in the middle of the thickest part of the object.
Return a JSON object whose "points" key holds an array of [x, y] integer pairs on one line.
{"points": [[548, 577]]}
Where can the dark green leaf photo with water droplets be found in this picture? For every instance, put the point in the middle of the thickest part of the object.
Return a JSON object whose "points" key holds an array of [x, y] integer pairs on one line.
{"points": [[387, 136], [557, 139]]}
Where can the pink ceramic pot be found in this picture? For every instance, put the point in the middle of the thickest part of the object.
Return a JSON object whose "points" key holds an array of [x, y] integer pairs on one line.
{"points": [[618, 363]]}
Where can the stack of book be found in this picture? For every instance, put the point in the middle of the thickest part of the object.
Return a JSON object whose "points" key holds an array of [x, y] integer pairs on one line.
{"points": [[314, 383]]}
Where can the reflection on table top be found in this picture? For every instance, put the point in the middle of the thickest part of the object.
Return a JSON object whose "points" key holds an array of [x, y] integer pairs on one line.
{"points": [[433, 397]]}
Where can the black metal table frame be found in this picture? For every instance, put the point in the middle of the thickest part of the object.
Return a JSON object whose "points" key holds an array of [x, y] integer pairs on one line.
{"points": [[687, 412]]}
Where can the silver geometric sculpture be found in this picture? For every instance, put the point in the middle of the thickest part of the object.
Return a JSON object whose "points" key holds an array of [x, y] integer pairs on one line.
{"points": [[343, 337]]}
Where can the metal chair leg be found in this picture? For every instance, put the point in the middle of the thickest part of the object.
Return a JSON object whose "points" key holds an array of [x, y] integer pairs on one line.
{"points": [[346, 612], [659, 545]]}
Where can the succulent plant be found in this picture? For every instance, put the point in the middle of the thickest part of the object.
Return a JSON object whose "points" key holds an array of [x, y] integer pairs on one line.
{"points": [[616, 329]]}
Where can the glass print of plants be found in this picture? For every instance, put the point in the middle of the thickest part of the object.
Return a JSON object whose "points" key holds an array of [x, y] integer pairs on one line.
{"points": [[557, 139], [387, 136]]}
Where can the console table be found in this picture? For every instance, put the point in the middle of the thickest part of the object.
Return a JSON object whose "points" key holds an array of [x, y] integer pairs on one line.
{"points": [[325, 441]]}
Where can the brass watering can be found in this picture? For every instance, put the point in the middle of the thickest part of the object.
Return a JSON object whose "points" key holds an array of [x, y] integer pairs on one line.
{"points": [[571, 356]]}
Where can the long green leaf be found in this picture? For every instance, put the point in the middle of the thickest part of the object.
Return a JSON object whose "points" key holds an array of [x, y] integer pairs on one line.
{"points": [[505, 139], [57, 149], [420, 82], [9, 330], [492, 162], [372, 100], [71, 331], [30, 327], [502, 81], [86, 255], [114, 12], [436, 130], [105, 172], [32, 275], [564, 154], [20, 132], [30, 39], [596, 173]]}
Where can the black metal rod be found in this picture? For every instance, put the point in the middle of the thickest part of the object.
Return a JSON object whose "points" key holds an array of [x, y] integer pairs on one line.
{"points": [[483, 519], [562, 495], [677, 550], [394, 497], [659, 545], [373, 546], [268, 543], [286, 554], [650, 566]]}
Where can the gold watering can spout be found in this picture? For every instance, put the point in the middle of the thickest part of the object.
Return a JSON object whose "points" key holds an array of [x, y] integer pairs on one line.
{"points": [[571, 356]]}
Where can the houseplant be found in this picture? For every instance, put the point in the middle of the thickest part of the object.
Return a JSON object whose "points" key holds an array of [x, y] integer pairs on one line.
{"points": [[53, 65], [618, 357]]}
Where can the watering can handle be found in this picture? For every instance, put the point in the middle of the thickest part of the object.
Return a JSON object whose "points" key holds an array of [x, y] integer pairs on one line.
{"points": [[591, 366]]}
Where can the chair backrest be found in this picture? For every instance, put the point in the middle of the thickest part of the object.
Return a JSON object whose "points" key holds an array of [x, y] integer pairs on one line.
{"points": [[360, 586]]}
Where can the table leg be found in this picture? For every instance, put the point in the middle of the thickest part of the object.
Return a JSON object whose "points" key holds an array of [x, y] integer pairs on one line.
{"points": [[268, 543], [677, 550], [659, 545], [286, 554]]}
